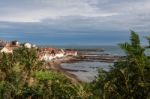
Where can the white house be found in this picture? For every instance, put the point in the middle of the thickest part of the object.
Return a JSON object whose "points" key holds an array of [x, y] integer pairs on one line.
{"points": [[71, 53], [60, 54], [9, 47], [51, 57], [47, 57], [27, 45], [7, 50], [34, 46], [17, 43]]}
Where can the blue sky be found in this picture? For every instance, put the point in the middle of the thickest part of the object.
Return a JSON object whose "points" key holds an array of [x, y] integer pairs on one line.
{"points": [[79, 22]]}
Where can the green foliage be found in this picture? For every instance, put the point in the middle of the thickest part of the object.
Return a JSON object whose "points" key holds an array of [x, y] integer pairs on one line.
{"points": [[1, 89], [22, 76], [129, 78], [148, 38], [48, 75]]}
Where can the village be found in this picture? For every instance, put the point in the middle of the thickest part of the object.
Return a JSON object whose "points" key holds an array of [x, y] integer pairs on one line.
{"points": [[44, 53]]}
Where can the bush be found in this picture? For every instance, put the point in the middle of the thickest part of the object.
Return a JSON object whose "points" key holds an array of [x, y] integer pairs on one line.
{"points": [[129, 78]]}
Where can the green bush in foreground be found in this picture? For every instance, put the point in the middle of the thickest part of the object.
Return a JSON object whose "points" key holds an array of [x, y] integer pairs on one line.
{"points": [[129, 78], [22, 76]]}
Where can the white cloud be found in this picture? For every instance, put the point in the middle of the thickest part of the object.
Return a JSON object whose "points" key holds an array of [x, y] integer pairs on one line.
{"points": [[39, 10], [97, 14]]}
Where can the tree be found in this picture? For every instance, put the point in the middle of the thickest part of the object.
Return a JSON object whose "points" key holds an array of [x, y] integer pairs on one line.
{"points": [[22, 77], [127, 79]]}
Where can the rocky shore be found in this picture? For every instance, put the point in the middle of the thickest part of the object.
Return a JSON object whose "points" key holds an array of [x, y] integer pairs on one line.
{"points": [[101, 58], [56, 64]]}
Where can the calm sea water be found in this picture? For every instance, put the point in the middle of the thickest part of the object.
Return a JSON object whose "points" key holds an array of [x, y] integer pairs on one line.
{"points": [[87, 71]]}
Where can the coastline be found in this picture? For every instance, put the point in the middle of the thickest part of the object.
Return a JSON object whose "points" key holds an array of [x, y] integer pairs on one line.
{"points": [[56, 66], [75, 78]]}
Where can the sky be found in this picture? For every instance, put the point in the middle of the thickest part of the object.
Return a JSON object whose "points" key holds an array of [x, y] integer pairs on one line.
{"points": [[74, 22]]}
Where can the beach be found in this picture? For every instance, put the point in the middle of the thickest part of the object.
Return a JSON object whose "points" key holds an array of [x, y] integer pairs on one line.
{"points": [[55, 65]]}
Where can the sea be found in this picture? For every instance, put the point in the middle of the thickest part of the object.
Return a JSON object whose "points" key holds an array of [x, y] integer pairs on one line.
{"points": [[87, 70]]}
